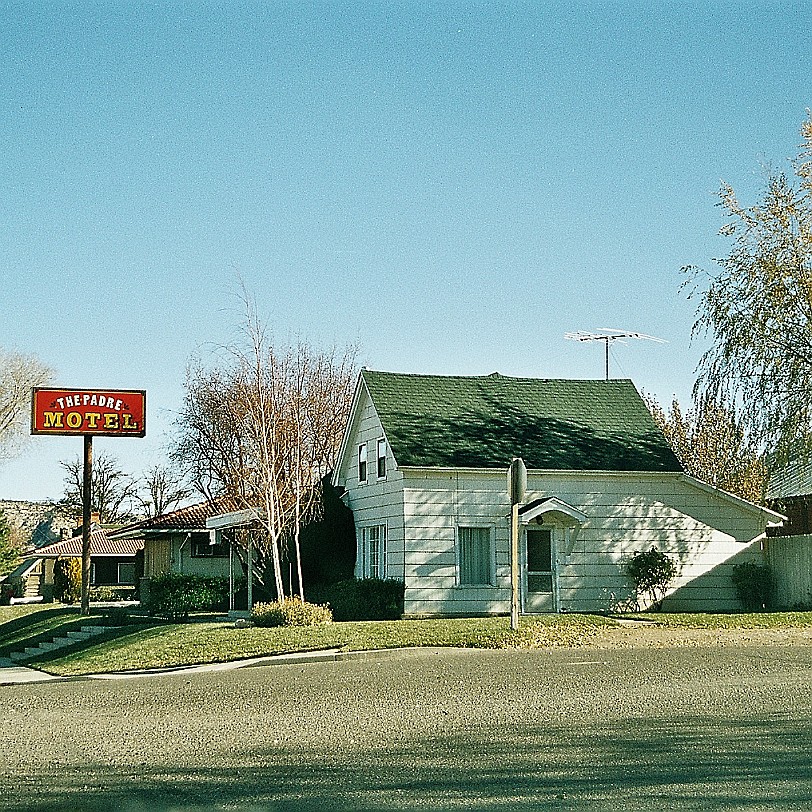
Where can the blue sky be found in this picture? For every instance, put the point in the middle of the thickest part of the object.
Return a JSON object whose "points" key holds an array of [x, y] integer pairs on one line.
{"points": [[451, 186]]}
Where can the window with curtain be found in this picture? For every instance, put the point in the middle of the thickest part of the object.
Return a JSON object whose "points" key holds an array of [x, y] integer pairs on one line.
{"points": [[475, 559], [362, 462]]}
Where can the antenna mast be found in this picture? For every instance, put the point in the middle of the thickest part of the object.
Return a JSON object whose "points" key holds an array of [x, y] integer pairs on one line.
{"points": [[608, 335]]}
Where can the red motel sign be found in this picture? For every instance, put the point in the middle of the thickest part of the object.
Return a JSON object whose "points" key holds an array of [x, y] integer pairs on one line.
{"points": [[98, 412]]}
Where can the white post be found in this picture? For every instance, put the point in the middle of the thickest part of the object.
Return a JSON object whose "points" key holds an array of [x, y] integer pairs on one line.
{"points": [[514, 566], [250, 570], [230, 574]]}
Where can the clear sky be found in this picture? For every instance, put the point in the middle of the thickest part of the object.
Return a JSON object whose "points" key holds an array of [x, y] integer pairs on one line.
{"points": [[453, 186]]}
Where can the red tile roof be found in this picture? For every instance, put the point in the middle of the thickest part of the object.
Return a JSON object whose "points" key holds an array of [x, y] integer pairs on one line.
{"points": [[192, 517], [100, 545]]}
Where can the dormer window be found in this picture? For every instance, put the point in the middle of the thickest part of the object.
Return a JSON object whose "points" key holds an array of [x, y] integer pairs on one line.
{"points": [[381, 459], [362, 462]]}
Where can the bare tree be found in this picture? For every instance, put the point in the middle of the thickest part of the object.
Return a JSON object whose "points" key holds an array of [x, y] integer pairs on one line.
{"points": [[18, 374], [262, 427], [113, 492], [161, 491]]}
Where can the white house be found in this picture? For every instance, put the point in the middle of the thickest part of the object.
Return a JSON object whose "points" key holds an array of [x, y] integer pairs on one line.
{"points": [[424, 460]]}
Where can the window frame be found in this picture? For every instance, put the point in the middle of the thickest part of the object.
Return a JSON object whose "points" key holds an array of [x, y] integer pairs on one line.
{"points": [[362, 464], [490, 555], [118, 571], [377, 568], [199, 541], [381, 458]]}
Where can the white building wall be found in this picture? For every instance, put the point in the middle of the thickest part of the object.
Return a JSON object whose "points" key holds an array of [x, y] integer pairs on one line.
{"points": [[378, 501], [626, 513]]}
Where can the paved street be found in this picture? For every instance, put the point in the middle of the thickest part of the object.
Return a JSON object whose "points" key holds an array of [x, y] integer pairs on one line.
{"points": [[710, 729]]}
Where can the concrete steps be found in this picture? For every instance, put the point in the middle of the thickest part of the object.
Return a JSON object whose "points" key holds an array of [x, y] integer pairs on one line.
{"points": [[68, 639]]}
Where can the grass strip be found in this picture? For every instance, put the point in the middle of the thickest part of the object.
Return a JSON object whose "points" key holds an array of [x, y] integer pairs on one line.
{"points": [[745, 620], [177, 645]]}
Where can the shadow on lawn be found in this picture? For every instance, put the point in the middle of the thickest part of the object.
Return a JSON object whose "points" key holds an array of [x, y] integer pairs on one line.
{"points": [[698, 763]]}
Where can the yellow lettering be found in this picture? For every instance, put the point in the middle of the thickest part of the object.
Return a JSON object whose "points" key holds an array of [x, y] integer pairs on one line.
{"points": [[111, 421], [53, 420], [92, 419], [129, 423], [73, 419]]}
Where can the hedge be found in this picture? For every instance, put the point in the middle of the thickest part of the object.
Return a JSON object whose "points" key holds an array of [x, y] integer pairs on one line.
{"points": [[174, 596], [362, 599]]}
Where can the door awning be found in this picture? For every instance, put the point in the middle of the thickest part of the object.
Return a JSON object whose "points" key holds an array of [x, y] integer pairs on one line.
{"points": [[554, 508]]}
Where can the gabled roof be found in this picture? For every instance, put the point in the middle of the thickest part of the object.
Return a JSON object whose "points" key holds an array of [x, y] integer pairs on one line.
{"points": [[192, 517], [483, 422], [100, 545]]}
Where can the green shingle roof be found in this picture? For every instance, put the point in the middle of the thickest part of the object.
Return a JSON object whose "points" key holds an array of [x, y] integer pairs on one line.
{"points": [[483, 422], [792, 479]]}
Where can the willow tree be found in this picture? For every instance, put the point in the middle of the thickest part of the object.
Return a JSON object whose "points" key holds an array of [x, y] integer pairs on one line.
{"points": [[259, 429], [757, 309], [18, 374]]}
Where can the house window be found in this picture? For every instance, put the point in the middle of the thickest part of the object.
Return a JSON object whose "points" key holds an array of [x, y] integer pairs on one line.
{"points": [[475, 557], [362, 462], [373, 544], [203, 548], [126, 572], [381, 459]]}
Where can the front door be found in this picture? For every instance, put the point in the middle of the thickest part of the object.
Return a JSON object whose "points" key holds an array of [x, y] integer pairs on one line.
{"points": [[538, 571]]}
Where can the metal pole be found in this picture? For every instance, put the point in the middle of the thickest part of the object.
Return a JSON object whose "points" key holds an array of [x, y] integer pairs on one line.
{"points": [[251, 571], [87, 484], [606, 341], [230, 573], [514, 566]]}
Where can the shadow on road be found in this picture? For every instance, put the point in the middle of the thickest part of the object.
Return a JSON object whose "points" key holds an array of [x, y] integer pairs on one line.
{"points": [[695, 763]]}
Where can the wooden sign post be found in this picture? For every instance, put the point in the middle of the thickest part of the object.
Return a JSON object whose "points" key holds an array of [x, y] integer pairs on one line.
{"points": [[517, 484], [88, 413]]}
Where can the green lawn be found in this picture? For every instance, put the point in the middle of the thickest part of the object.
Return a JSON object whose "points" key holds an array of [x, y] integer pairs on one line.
{"points": [[746, 620], [151, 644], [192, 643]]}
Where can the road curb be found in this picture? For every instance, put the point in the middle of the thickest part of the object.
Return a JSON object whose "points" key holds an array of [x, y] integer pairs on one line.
{"points": [[291, 658]]}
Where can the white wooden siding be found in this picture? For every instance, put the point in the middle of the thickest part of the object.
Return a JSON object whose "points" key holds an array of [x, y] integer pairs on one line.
{"points": [[626, 513], [375, 502]]}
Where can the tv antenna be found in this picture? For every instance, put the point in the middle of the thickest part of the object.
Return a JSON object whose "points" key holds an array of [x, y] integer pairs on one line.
{"points": [[608, 335]]}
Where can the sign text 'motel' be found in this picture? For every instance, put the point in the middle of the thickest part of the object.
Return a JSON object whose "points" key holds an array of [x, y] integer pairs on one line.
{"points": [[101, 412]]}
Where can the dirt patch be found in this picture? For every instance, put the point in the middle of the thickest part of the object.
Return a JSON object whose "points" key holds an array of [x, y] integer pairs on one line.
{"points": [[645, 635]]}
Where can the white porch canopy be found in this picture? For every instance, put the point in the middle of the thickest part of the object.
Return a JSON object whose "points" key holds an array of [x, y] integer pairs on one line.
{"points": [[554, 511], [230, 521]]}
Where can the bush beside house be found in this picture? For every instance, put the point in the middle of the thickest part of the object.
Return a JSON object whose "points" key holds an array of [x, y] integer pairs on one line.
{"points": [[174, 596], [362, 599], [68, 580]]}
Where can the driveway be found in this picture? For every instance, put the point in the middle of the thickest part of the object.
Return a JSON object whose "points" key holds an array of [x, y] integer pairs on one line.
{"points": [[642, 729]]}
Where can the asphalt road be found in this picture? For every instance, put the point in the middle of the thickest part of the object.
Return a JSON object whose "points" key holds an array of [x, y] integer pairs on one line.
{"points": [[709, 729]]}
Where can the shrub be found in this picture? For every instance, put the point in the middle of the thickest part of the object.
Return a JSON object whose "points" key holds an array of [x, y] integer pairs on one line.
{"points": [[754, 585], [112, 593], [7, 592], [363, 599], [116, 616], [68, 580], [652, 573], [174, 596], [290, 612]]}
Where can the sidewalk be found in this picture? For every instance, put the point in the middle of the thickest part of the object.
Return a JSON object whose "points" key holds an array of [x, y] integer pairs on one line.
{"points": [[12, 673]]}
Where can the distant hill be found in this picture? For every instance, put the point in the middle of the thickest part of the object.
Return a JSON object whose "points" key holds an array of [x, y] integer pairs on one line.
{"points": [[38, 523]]}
